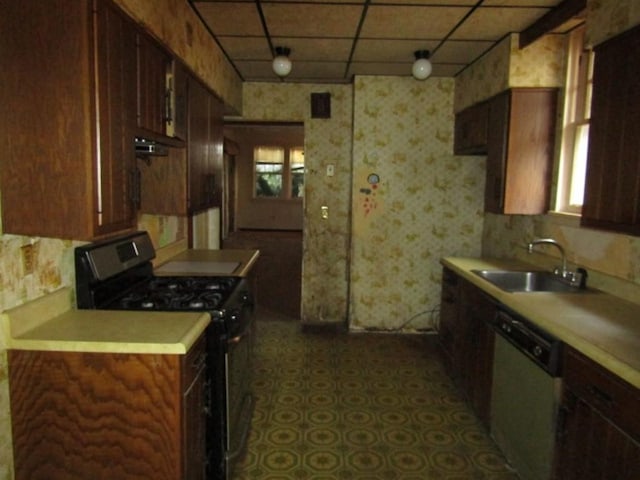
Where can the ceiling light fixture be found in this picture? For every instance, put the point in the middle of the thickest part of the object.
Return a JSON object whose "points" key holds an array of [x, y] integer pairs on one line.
{"points": [[422, 66], [281, 63]]}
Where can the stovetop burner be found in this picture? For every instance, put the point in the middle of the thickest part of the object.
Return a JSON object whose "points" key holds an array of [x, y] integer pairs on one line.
{"points": [[177, 294]]}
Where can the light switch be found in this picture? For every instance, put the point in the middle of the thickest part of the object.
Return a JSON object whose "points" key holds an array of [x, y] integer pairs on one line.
{"points": [[324, 212], [331, 170]]}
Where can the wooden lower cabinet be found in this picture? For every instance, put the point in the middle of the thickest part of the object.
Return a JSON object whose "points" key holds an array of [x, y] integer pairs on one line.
{"points": [[79, 415], [599, 424], [467, 340], [478, 311], [449, 323]]}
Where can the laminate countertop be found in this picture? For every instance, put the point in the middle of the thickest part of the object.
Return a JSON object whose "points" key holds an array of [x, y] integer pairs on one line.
{"points": [[50, 323], [226, 262], [603, 327]]}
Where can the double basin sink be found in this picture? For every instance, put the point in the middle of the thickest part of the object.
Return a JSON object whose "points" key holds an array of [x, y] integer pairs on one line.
{"points": [[528, 281]]}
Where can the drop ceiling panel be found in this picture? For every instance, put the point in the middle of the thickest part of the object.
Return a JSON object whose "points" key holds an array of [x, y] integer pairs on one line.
{"points": [[312, 20], [410, 21], [332, 40], [384, 50], [460, 51], [316, 49], [246, 48], [233, 18], [494, 23]]}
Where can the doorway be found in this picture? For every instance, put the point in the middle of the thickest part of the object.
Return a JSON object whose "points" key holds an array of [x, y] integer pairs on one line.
{"points": [[266, 175]]}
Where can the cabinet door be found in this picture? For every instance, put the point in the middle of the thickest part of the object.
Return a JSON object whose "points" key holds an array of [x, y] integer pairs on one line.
{"points": [[449, 324], [115, 79], [153, 62], [612, 189], [471, 130], [194, 412], [46, 131], [478, 312], [496, 153], [198, 145], [591, 447], [599, 424], [216, 153], [520, 151], [179, 109]]}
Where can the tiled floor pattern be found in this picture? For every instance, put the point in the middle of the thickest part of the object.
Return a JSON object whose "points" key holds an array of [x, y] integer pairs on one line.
{"points": [[360, 406]]}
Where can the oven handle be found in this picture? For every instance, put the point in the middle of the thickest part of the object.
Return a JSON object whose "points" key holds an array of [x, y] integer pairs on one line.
{"points": [[238, 338]]}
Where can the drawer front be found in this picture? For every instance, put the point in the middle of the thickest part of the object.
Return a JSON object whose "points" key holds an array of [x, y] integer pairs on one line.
{"points": [[602, 390]]}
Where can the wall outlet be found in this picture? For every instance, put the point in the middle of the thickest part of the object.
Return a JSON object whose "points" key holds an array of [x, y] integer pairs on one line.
{"points": [[28, 258]]}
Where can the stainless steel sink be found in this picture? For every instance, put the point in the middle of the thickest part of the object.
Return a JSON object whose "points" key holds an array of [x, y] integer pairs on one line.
{"points": [[526, 281]]}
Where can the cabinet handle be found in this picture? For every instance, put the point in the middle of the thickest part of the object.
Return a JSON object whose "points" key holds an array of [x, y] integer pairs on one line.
{"points": [[199, 362], [167, 105], [207, 398], [561, 421], [600, 395]]}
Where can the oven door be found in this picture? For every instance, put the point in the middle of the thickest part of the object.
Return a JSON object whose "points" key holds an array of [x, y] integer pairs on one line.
{"points": [[239, 397]]}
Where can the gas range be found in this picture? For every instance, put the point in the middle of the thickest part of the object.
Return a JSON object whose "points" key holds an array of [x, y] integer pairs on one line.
{"points": [[117, 274], [177, 294]]}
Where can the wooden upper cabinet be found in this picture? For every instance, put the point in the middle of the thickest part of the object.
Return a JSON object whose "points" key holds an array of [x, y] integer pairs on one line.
{"points": [[189, 180], [115, 78], [471, 130], [67, 163], [612, 189], [204, 148], [520, 151], [153, 63], [177, 122]]}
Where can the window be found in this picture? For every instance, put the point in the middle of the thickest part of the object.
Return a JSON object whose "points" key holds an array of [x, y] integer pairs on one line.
{"points": [[279, 172], [296, 162], [575, 137]]}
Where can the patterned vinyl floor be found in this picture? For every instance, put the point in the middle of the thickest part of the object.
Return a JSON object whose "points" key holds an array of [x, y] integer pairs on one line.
{"points": [[360, 406]]}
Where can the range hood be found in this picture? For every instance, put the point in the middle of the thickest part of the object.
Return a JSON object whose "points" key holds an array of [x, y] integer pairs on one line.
{"points": [[146, 147]]}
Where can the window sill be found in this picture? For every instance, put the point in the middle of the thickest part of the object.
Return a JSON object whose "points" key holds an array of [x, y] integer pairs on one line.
{"points": [[564, 218]]}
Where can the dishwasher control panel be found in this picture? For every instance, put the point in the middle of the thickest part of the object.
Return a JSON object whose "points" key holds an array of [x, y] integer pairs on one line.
{"points": [[538, 345]]}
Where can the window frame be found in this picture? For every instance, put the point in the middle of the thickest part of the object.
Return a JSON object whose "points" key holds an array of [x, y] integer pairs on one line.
{"points": [[577, 110], [287, 174]]}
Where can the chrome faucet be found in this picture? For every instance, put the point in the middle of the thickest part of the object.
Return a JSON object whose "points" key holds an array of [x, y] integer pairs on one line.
{"points": [[550, 241]]}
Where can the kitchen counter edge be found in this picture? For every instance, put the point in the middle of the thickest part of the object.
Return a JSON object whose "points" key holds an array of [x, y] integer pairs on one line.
{"points": [[37, 326]]}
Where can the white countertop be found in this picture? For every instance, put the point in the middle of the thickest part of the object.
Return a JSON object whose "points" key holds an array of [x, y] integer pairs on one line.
{"points": [[45, 324], [603, 327], [229, 262]]}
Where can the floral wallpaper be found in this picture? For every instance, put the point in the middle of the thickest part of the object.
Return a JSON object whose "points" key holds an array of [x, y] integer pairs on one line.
{"points": [[413, 201], [506, 66], [327, 142]]}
